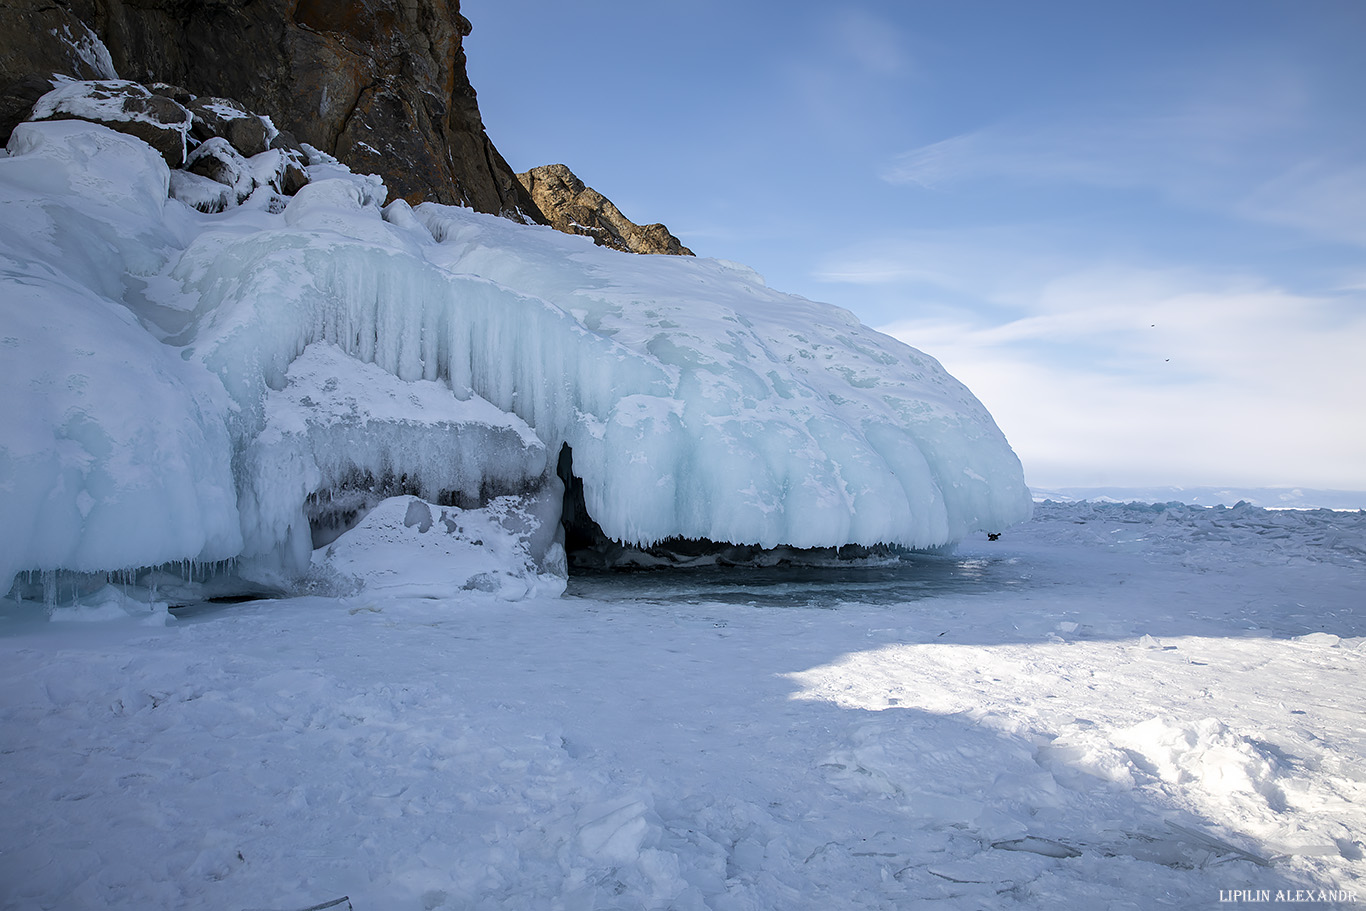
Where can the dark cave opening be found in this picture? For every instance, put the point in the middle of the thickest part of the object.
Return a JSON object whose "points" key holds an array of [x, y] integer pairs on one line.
{"points": [[582, 535], [589, 549]]}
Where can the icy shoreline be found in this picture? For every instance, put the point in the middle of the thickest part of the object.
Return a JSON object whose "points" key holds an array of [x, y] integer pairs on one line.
{"points": [[187, 385], [1160, 707]]}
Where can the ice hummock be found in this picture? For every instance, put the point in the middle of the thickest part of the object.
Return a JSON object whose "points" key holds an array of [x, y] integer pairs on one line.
{"points": [[150, 348], [113, 448]]}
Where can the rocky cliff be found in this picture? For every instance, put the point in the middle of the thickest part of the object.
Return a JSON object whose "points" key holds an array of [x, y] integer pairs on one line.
{"points": [[575, 208], [379, 84]]}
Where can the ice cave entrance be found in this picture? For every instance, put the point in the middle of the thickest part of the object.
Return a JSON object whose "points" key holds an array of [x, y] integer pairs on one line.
{"points": [[589, 549]]}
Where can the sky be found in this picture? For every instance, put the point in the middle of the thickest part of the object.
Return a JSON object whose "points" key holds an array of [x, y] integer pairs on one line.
{"points": [[1136, 231]]}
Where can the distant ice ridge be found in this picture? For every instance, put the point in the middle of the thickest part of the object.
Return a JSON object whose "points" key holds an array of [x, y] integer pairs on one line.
{"points": [[1267, 497], [164, 377]]}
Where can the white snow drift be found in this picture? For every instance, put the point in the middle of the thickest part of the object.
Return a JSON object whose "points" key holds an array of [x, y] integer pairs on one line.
{"points": [[152, 361]]}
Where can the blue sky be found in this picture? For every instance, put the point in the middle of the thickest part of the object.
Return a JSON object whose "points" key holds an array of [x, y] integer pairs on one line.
{"points": [[1137, 231]]}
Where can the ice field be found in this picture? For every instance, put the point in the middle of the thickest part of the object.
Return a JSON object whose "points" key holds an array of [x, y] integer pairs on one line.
{"points": [[289, 617], [1109, 707]]}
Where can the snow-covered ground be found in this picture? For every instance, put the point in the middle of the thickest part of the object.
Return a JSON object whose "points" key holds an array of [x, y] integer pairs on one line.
{"points": [[1109, 707]]}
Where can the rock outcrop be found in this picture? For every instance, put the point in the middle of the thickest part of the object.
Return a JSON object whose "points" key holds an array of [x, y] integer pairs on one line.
{"points": [[219, 154], [161, 122], [575, 208], [379, 84]]}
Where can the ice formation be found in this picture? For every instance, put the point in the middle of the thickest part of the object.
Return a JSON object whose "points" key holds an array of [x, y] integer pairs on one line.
{"points": [[353, 431], [187, 386], [409, 547], [114, 452]]}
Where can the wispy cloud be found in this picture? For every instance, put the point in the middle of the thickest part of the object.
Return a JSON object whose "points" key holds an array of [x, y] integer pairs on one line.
{"points": [[1107, 147], [1015, 153], [998, 269], [1256, 149], [1321, 197], [1122, 375]]}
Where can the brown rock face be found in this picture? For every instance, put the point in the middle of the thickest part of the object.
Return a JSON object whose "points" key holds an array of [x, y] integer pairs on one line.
{"points": [[38, 39], [41, 38], [575, 208], [380, 84]]}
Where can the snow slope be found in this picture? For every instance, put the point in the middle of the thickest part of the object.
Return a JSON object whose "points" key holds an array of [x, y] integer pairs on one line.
{"points": [[146, 342], [1110, 707]]}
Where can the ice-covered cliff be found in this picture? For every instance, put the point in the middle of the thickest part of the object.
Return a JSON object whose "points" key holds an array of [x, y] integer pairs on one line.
{"points": [[190, 386]]}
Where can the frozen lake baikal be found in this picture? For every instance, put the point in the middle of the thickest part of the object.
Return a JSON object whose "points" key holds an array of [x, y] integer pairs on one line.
{"points": [[1119, 707]]}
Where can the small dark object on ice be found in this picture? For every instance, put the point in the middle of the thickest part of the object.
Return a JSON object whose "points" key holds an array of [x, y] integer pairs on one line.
{"points": [[332, 904], [993, 535]]}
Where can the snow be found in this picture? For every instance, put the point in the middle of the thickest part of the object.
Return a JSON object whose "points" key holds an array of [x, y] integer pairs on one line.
{"points": [[697, 402], [1110, 707], [408, 546]]}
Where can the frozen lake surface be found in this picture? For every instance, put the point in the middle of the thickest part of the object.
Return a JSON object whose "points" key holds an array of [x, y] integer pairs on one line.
{"points": [[914, 578], [1110, 707]]}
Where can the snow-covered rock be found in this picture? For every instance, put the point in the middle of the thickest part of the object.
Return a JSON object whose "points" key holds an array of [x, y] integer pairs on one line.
{"points": [[202, 193], [217, 160], [123, 106], [249, 133]]}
